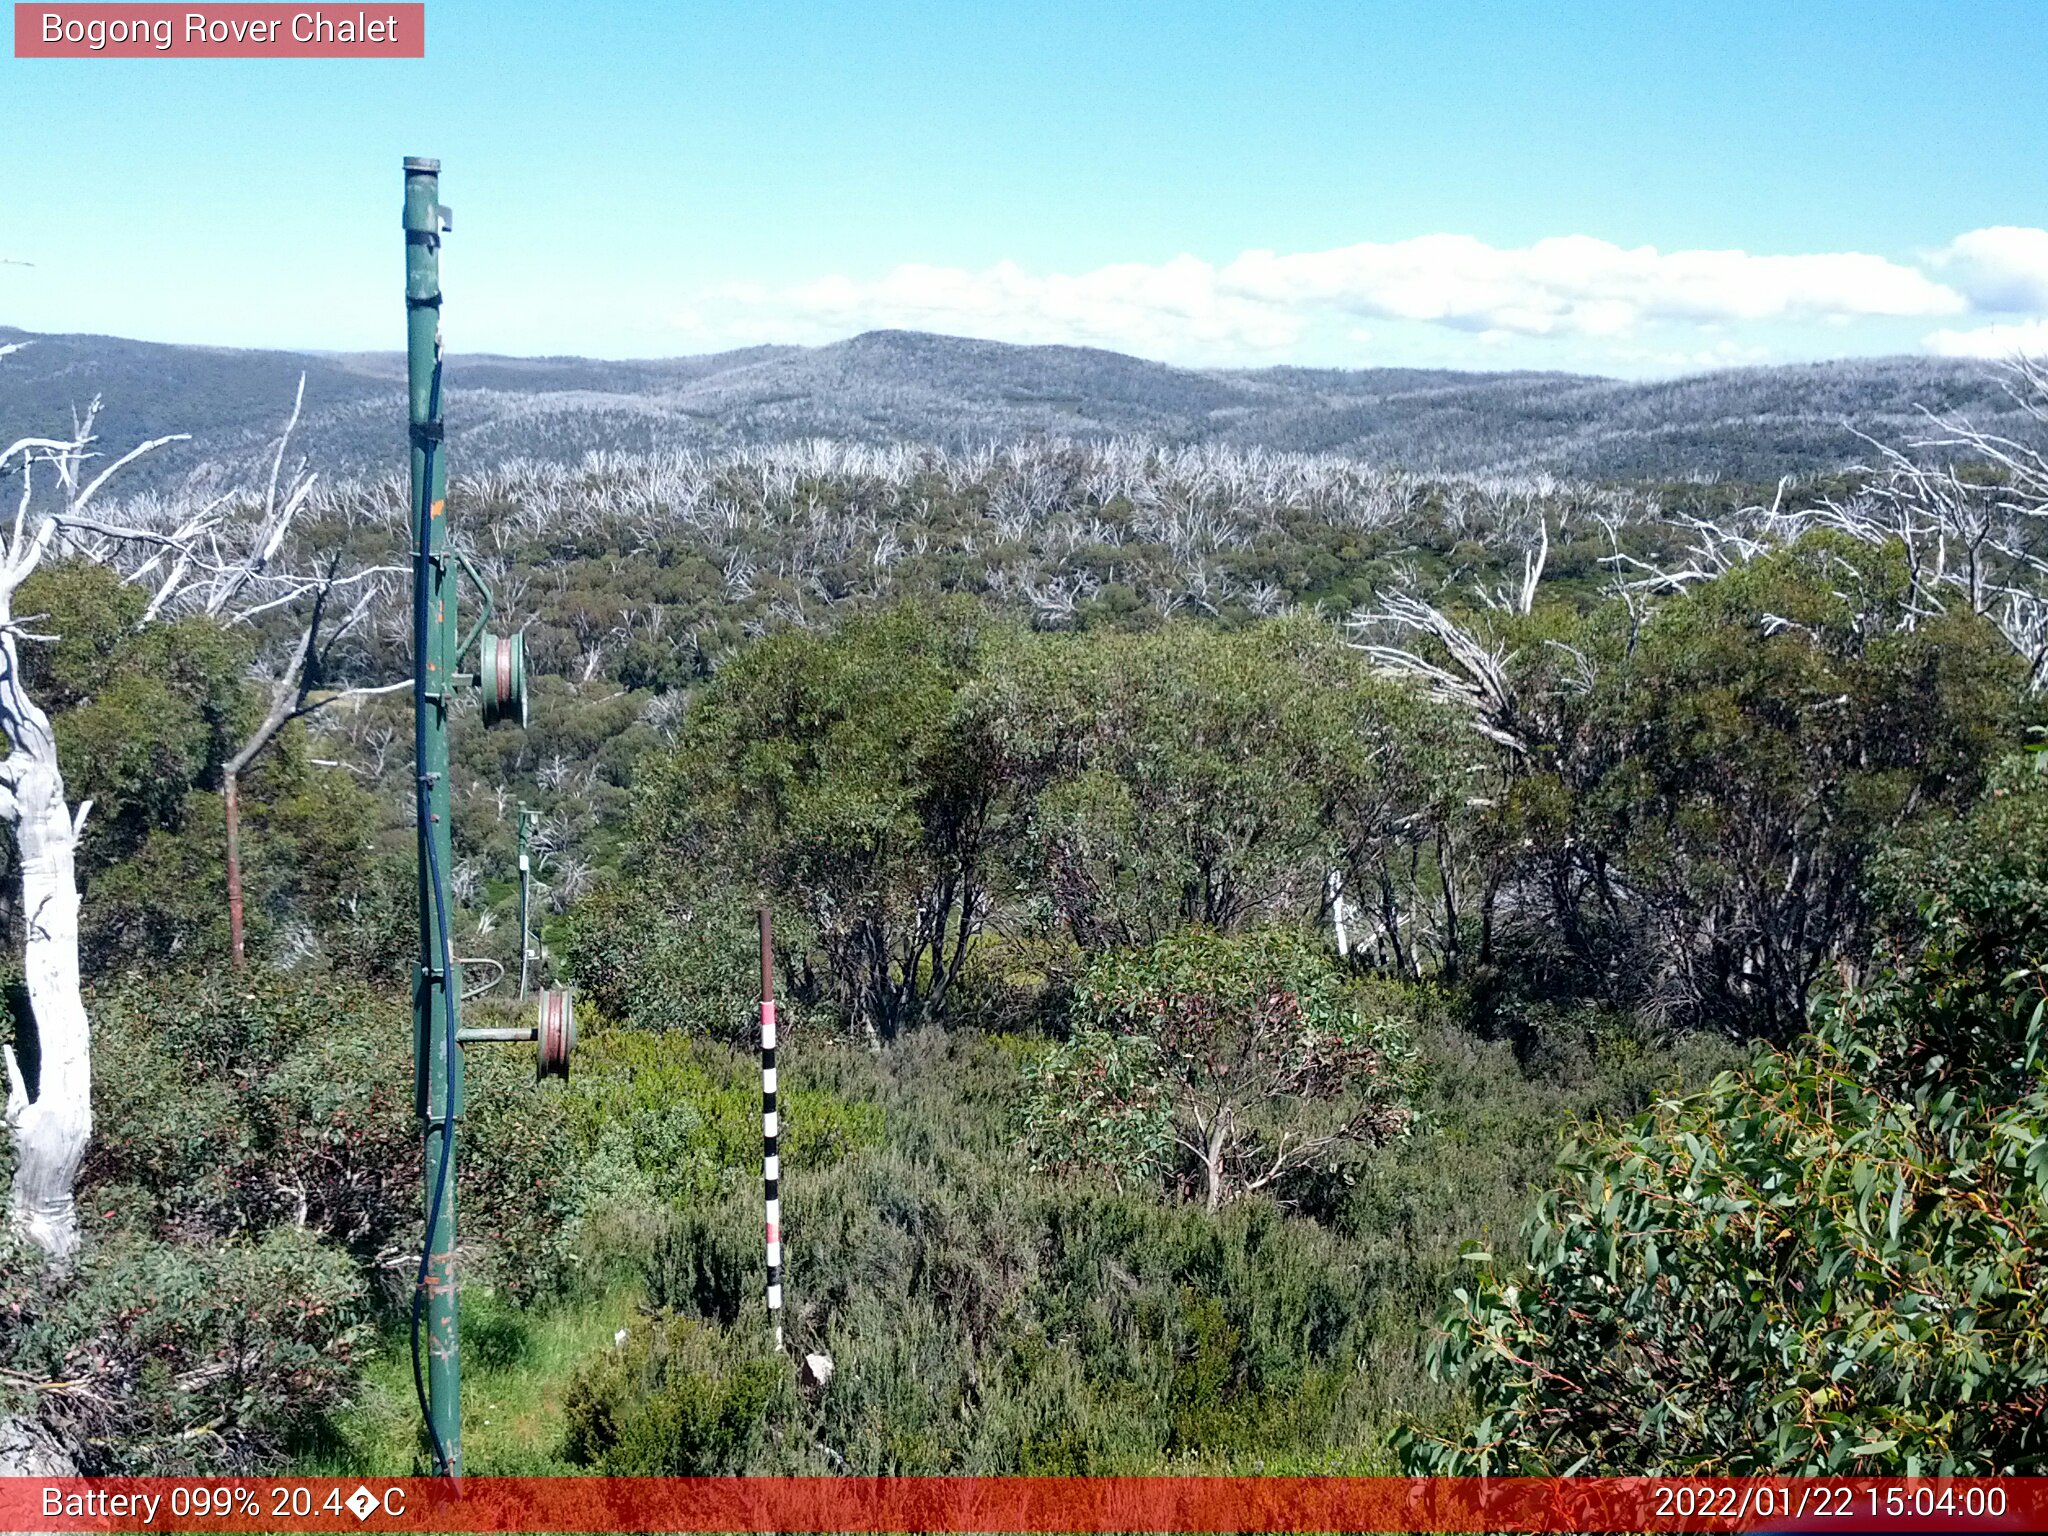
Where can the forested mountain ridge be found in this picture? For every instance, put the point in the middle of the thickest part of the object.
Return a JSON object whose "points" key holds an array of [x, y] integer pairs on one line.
{"points": [[893, 386]]}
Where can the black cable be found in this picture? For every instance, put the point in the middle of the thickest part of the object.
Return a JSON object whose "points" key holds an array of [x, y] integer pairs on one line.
{"points": [[423, 794]]}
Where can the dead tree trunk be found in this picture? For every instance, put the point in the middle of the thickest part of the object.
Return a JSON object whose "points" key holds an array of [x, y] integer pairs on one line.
{"points": [[49, 1084], [295, 693], [51, 1119]]}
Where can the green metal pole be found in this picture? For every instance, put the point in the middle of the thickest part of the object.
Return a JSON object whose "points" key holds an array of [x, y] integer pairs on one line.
{"points": [[437, 1059], [525, 886]]}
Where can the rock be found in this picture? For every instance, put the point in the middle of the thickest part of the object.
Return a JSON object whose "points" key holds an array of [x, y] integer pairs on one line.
{"points": [[818, 1369], [29, 1450]]}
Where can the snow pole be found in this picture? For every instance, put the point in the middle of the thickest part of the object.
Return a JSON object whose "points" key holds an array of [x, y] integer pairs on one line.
{"points": [[771, 1160]]}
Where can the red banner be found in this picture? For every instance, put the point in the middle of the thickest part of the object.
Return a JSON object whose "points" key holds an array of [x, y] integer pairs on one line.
{"points": [[1051, 1504], [103, 31]]}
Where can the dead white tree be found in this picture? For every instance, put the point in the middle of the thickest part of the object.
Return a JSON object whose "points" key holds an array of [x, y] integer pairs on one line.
{"points": [[297, 689], [213, 559], [1473, 676], [50, 1121], [1970, 510], [1966, 508], [298, 683]]}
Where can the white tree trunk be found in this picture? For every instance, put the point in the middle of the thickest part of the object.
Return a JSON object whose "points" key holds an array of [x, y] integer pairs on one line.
{"points": [[51, 1128], [51, 1123]]}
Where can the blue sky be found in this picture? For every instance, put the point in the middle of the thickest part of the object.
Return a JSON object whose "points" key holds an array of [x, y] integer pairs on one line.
{"points": [[1633, 189]]}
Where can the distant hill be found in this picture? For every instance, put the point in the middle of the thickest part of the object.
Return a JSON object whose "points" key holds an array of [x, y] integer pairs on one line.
{"points": [[1749, 424]]}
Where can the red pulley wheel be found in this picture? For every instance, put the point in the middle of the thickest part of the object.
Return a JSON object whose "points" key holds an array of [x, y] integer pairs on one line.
{"points": [[557, 1036], [501, 678]]}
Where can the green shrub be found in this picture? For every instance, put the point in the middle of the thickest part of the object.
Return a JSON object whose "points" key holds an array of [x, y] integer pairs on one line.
{"points": [[226, 1104], [983, 1319], [1100, 1103], [165, 1357], [659, 959], [1247, 1060], [662, 1119], [1829, 1263], [676, 1400], [701, 1266]]}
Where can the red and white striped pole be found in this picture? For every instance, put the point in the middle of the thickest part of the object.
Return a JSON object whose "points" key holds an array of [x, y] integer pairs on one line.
{"points": [[771, 1161]]}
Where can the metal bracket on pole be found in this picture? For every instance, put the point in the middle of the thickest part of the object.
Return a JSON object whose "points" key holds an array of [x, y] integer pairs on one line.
{"points": [[483, 589]]}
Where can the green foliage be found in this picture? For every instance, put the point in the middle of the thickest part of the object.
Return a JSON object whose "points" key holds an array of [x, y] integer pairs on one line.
{"points": [[677, 1400], [162, 1357], [145, 717], [1251, 1054], [702, 1266], [517, 1183], [661, 1119], [318, 852], [1108, 837], [166, 902], [984, 1319], [646, 957], [145, 710], [1018, 983], [987, 1318], [517, 1364], [1705, 788], [1830, 1262], [228, 1105], [231, 1104], [374, 931], [1059, 1331], [840, 776], [1192, 775], [1100, 1103]]}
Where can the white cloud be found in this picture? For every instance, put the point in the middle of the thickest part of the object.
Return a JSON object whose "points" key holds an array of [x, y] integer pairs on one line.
{"points": [[2011, 339], [2003, 269], [1622, 302], [1172, 307], [1578, 285]]}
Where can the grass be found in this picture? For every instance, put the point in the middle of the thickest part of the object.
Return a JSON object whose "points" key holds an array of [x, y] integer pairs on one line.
{"points": [[516, 1367]]}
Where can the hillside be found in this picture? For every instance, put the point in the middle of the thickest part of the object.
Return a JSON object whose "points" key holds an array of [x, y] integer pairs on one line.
{"points": [[1747, 424]]}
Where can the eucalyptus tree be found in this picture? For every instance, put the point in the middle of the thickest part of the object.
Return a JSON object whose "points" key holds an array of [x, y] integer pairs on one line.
{"points": [[1831, 1262], [1195, 775], [1694, 772], [844, 776]]}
